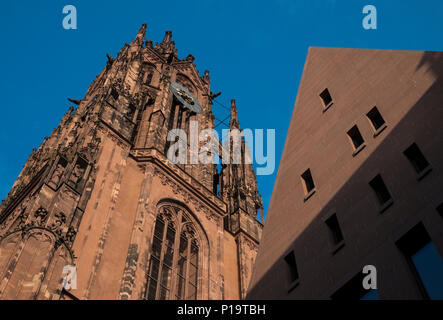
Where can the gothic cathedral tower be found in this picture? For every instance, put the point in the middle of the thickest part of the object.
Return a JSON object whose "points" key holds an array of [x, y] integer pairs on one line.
{"points": [[100, 194]]}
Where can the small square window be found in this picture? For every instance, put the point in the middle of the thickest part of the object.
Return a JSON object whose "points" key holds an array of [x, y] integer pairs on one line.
{"points": [[416, 158], [334, 228], [376, 118], [380, 189], [326, 98], [292, 267], [440, 209], [355, 137], [308, 181]]}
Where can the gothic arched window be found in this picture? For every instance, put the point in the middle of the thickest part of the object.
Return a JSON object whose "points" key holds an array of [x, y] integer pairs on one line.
{"points": [[148, 73], [174, 264]]}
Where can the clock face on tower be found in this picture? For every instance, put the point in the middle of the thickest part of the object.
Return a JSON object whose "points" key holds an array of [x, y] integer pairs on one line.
{"points": [[186, 97]]}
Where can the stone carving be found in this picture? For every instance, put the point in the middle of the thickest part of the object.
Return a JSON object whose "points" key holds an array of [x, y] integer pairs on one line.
{"points": [[189, 230], [59, 221], [70, 235], [77, 174], [251, 244], [110, 61], [58, 172], [22, 218], [167, 213], [40, 216]]}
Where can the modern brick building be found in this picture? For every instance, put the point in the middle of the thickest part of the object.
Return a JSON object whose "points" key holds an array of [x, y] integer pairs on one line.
{"points": [[100, 194], [360, 181]]}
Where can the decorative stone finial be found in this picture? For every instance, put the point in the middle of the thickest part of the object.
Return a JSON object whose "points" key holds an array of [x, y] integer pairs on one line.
{"points": [[168, 37]]}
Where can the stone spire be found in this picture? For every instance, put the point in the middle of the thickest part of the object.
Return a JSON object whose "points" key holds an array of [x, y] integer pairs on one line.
{"points": [[234, 123], [141, 34], [167, 46], [206, 77], [167, 38]]}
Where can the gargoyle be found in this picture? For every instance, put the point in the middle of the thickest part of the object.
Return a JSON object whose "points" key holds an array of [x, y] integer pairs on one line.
{"points": [[212, 96], [74, 101]]}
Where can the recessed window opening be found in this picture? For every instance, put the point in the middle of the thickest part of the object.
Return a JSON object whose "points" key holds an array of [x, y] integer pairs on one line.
{"points": [[334, 228], [416, 158], [308, 181], [376, 118], [355, 137], [380, 189], [326, 98], [440, 209], [292, 267]]}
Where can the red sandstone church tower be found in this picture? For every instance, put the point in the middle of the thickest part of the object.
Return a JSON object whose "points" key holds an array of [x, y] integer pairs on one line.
{"points": [[100, 194]]}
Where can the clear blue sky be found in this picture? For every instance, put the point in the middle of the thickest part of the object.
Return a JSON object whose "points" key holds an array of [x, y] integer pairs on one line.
{"points": [[255, 51]]}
